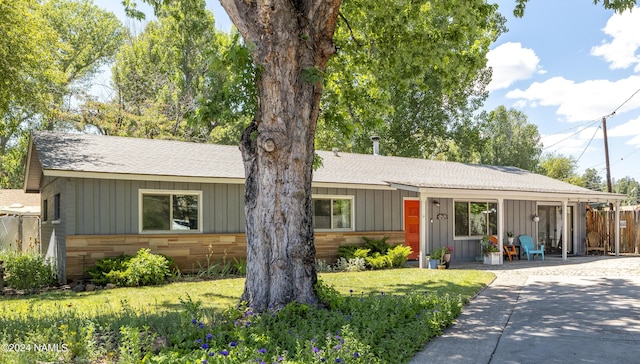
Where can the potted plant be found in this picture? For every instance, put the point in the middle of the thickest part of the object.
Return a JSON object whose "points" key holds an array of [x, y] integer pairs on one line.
{"points": [[437, 256], [432, 262], [491, 252], [510, 237], [446, 257]]}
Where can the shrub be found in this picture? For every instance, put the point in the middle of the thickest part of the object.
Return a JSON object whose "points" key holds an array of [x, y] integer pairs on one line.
{"points": [[378, 261], [104, 266], [27, 270], [323, 267], [142, 269], [377, 245], [399, 255], [146, 269], [347, 251], [351, 265]]}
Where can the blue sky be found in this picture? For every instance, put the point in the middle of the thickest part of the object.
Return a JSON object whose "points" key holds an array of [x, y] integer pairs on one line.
{"points": [[565, 64]]}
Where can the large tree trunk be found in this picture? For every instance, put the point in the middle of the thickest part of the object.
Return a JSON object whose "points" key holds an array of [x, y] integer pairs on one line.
{"points": [[293, 41]]}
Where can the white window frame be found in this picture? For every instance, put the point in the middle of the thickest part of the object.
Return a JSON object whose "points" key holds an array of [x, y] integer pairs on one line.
{"points": [[170, 193], [469, 201], [338, 197]]}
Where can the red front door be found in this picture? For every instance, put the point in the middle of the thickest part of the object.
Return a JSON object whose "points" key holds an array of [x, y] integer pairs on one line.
{"points": [[412, 227]]}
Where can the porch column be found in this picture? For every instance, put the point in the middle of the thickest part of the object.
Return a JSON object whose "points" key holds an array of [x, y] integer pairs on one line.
{"points": [[565, 229], [617, 229], [424, 216], [501, 227]]}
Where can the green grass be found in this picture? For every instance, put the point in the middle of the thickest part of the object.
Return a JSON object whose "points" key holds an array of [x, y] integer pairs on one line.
{"points": [[384, 316]]}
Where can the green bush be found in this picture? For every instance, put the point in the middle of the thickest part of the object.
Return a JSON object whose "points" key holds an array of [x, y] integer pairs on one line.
{"points": [[27, 270], [378, 261], [104, 266], [377, 245], [142, 269], [377, 254], [146, 269], [399, 255], [347, 251]]}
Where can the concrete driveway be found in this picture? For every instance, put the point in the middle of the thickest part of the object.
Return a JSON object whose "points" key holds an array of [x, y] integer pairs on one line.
{"points": [[582, 310]]}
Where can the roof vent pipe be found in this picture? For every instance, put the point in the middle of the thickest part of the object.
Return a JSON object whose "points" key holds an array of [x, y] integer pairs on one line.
{"points": [[376, 144]]}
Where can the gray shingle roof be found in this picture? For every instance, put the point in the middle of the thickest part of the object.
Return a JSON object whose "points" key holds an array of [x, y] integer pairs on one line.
{"points": [[147, 157]]}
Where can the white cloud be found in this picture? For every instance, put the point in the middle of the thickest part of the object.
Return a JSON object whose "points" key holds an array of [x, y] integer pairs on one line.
{"points": [[510, 63], [631, 127], [620, 51], [581, 101]]}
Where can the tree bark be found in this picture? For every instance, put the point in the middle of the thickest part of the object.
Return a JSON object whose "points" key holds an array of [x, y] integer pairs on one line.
{"points": [[293, 41]]}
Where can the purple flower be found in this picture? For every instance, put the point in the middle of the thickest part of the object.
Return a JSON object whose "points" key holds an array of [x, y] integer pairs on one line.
{"points": [[212, 353], [205, 361], [201, 325], [337, 347], [313, 340], [233, 344], [356, 355], [262, 351], [194, 321], [224, 352], [209, 337], [338, 360], [199, 341], [315, 349], [205, 346]]}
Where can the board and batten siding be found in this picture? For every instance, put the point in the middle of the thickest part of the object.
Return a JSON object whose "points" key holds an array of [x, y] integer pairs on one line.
{"points": [[517, 218], [375, 210], [106, 206]]}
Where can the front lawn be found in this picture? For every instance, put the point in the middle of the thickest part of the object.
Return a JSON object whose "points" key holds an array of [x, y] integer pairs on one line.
{"points": [[376, 316]]}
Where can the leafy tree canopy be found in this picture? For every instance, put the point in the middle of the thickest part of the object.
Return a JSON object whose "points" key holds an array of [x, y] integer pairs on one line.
{"points": [[411, 73], [510, 140]]}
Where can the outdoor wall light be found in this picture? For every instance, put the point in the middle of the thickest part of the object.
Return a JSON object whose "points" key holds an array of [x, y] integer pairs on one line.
{"points": [[436, 203], [535, 218]]}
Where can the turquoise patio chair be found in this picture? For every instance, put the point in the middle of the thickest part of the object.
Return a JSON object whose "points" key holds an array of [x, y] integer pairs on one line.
{"points": [[529, 249]]}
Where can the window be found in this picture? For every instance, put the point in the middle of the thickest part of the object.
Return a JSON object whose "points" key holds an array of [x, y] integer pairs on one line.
{"points": [[476, 219], [45, 210], [332, 213], [56, 207], [170, 211]]}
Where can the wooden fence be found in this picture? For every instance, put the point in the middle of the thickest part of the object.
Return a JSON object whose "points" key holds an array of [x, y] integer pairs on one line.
{"points": [[603, 222]]}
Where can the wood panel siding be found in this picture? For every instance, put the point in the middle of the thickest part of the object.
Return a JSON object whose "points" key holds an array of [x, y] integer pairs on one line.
{"points": [[190, 251], [375, 210], [112, 206]]}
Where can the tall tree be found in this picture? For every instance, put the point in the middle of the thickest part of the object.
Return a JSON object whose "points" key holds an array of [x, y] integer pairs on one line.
{"points": [[409, 72], [510, 140], [88, 37], [592, 180], [48, 48], [630, 187], [180, 79], [560, 167]]}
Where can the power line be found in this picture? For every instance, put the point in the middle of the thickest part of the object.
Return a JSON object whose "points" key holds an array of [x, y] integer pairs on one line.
{"points": [[570, 136], [585, 148], [625, 101]]}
